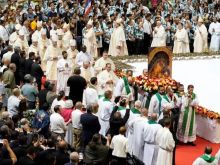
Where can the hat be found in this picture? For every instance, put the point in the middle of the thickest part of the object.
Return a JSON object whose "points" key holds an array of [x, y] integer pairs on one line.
{"points": [[60, 32], [119, 20], [200, 20], [34, 38], [17, 27], [39, 23], [68, 104], [65, 26], [54, 38], [21, 32], [72, 42], [90, 22], [43, 32]]}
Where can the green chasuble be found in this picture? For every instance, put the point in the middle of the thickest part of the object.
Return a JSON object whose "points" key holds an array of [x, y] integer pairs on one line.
{"points": [[208, 158], [185, 118], [135, 111]]}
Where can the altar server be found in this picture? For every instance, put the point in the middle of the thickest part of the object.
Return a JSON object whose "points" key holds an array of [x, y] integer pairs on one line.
{"points": [[118, 46], [201, 37], [181, 40]]}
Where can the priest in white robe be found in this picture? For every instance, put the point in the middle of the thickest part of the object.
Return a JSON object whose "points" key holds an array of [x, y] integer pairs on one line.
{"points": [[64, 71], [166, 143], [150, 147], [214, 30], [43, 43], [104, 112], [100, 64], [118, 46], [21, 42], [206, 158], [201, 37], [34, 46], [106, 79], [67, 36], [72, 52], [83, 56], [186, 131], [159, 36], [52, 55], [37, 32], [60, 39], [89, 39], [181, 40], [87, 71], [14, 36], [128, 91]]}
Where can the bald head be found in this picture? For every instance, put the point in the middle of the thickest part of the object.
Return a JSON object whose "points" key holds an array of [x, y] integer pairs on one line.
{"points": [[74, 157], [62, 145], [153, 116], [144, 112]]}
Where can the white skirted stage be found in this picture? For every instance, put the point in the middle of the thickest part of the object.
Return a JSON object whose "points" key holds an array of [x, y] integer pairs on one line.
{"points": [[204, 74]]}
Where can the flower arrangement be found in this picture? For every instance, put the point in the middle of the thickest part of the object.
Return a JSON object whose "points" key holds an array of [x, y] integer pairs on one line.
{"points": [[151, 85]]}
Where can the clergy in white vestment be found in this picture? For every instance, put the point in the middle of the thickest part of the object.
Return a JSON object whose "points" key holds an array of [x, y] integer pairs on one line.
{"points": [[67, 36], [214, 30], [136, 110], [118, 46], [158, 103], [83, 56], [87, 71], [159, 36], [150, 147], [72, 52], [13, 37], [90, 94], [206, 158], [128, 90], [60, 39], [166, 143], [186, 131], [106, 79], [181, 40], [21, 41], [34, 46], [89, 39], [100, 64], [37, 32], [52, 55], [104, 112], [64, 71], [3, 32], [43, 43], [201, 37]]}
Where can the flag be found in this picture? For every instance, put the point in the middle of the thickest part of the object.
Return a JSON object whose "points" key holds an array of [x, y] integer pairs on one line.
{"points": [[88, 7]]}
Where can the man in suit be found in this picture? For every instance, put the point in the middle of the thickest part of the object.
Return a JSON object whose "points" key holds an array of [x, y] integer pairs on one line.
{"points": [[37, 72], [77, 84], [29, 62], [15, 58], [90, 124]]}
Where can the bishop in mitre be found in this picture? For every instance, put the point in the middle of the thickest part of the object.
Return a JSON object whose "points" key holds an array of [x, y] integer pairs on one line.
{"points": [[181, 40], [67, 36], [106, 79], [89, 39], [14, 36], [201, 37], [37, 32], [52, 55], [159, 36], [118, 46], [21, 41], [43, 43], [72, 52], [87, 71]]}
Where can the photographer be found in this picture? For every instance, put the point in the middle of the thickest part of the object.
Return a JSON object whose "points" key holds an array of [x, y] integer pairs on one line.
{"points": [[7, 161]]}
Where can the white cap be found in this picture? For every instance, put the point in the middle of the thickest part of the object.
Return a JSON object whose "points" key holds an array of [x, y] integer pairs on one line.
{"points": [[39, 24], [72, 42], [21, 32], [90, 22], [54, 38], [17, 27], [60, 32], [65, 26], [43, 32], [34, 38], [119, 20]]}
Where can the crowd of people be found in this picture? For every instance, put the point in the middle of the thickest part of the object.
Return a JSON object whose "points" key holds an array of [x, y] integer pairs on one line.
{"points": [[62, 102]]}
